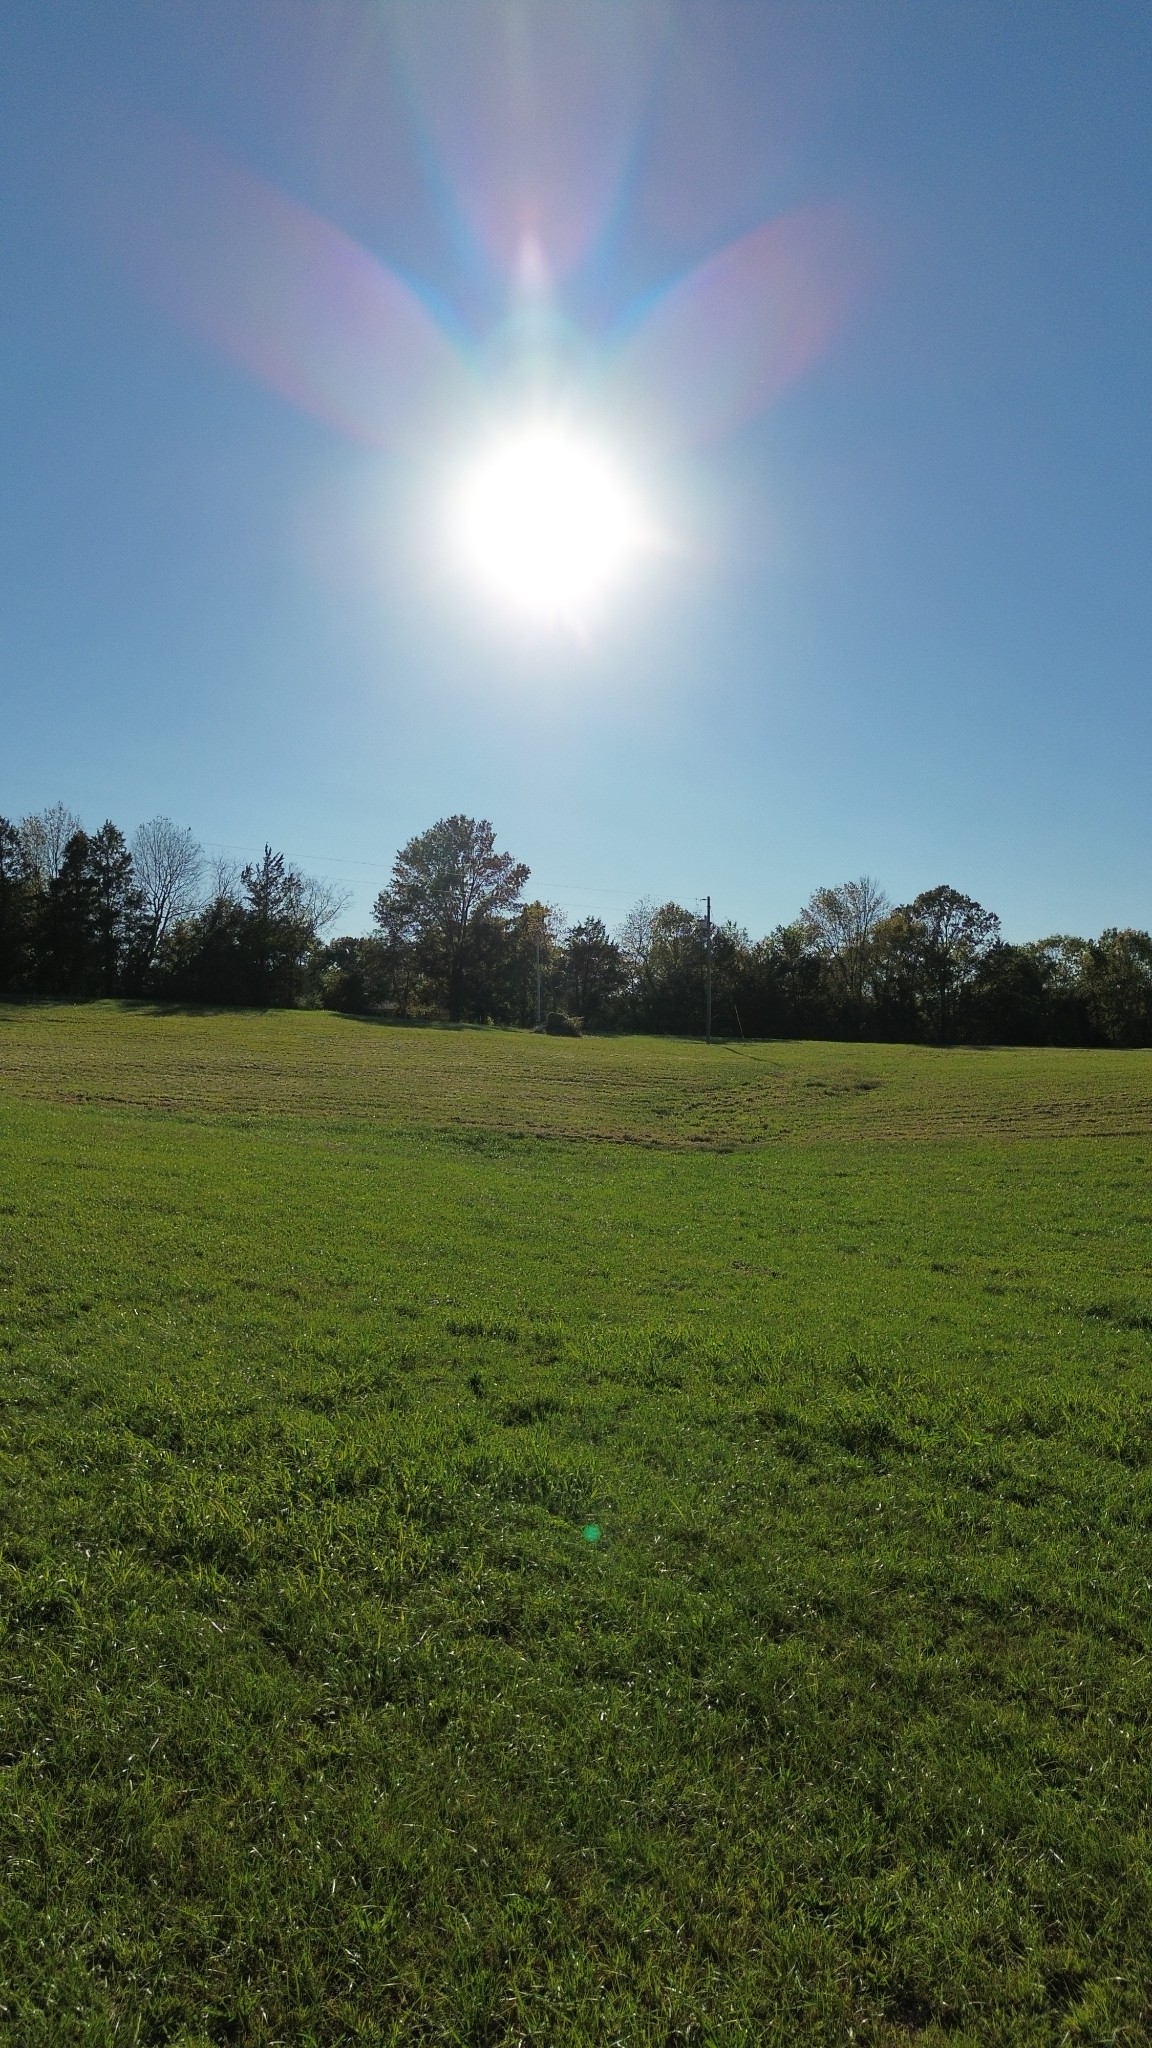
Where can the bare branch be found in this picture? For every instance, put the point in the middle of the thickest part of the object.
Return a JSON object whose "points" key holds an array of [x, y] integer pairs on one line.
{"points": [[322, 902], [43, 837], [168, 865]]}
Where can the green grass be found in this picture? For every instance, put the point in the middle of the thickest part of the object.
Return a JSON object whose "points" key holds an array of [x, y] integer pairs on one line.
{"points": [[321, 1343]]}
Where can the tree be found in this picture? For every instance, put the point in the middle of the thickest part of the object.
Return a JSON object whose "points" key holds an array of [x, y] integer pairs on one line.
{"points": [[448, 905], [839, 924], [929, 951], [592, 971], [117, 908], [352, 974], [400, 966], [664, 953], [254, 941], [780, 990], [18, 903], [1061, 962], [634, 942], [88, 929], [203, 958], [44, 838], [280, 926], [1117, 983], [168, 865], [514, 989], [1009, 1000], [66, 931]]}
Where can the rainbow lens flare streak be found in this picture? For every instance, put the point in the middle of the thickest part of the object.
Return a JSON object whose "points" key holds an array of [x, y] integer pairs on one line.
{"points": [[539, 513]]}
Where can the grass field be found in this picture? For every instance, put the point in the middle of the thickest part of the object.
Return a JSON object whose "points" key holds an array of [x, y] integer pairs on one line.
{"points": [[322, 1719]]}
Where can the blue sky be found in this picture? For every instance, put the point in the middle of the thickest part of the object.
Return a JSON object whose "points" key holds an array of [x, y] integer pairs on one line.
{"points": [[906, 628]]}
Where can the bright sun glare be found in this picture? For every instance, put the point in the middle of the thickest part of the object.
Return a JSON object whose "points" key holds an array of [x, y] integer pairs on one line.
{"points": [[547, 523]]}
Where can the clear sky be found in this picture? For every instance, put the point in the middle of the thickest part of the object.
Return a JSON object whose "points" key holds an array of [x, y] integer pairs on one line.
{"points": [[903, 621]]}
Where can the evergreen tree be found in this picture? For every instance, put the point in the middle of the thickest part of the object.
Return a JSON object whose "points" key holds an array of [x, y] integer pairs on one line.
{"points": [[117, 910], [18, 903]]}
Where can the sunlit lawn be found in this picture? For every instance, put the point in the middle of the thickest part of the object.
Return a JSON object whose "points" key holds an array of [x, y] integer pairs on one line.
{"points": [[322, 1720]]}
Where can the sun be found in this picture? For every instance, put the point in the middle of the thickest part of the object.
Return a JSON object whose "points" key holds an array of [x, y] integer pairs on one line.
{"points": [[547, 523]]}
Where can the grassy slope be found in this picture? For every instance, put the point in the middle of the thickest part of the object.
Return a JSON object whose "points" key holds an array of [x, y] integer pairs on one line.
{"points": [[321, 1721]]}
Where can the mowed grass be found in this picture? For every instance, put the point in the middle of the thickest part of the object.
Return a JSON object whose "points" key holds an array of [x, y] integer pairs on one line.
{"points": [[322, 1720]]}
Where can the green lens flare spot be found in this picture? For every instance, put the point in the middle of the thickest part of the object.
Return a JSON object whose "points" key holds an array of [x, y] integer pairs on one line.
{"points": [[591, 1532]]}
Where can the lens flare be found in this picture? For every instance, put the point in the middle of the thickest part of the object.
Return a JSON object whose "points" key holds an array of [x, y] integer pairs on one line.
{"points": [[547, 524]]}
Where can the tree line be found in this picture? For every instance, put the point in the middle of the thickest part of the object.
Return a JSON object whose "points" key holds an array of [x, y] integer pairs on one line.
{"points": [[96, 914], [455, 936]]}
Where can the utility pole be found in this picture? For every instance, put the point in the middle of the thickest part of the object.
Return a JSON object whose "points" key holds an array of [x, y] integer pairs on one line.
{"points": [[538, 1018], [708, 972]]}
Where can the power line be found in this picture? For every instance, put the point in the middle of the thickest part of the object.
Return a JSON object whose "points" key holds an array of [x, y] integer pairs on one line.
{"points": [[547, 887], [345, 860], [340, 860]]}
